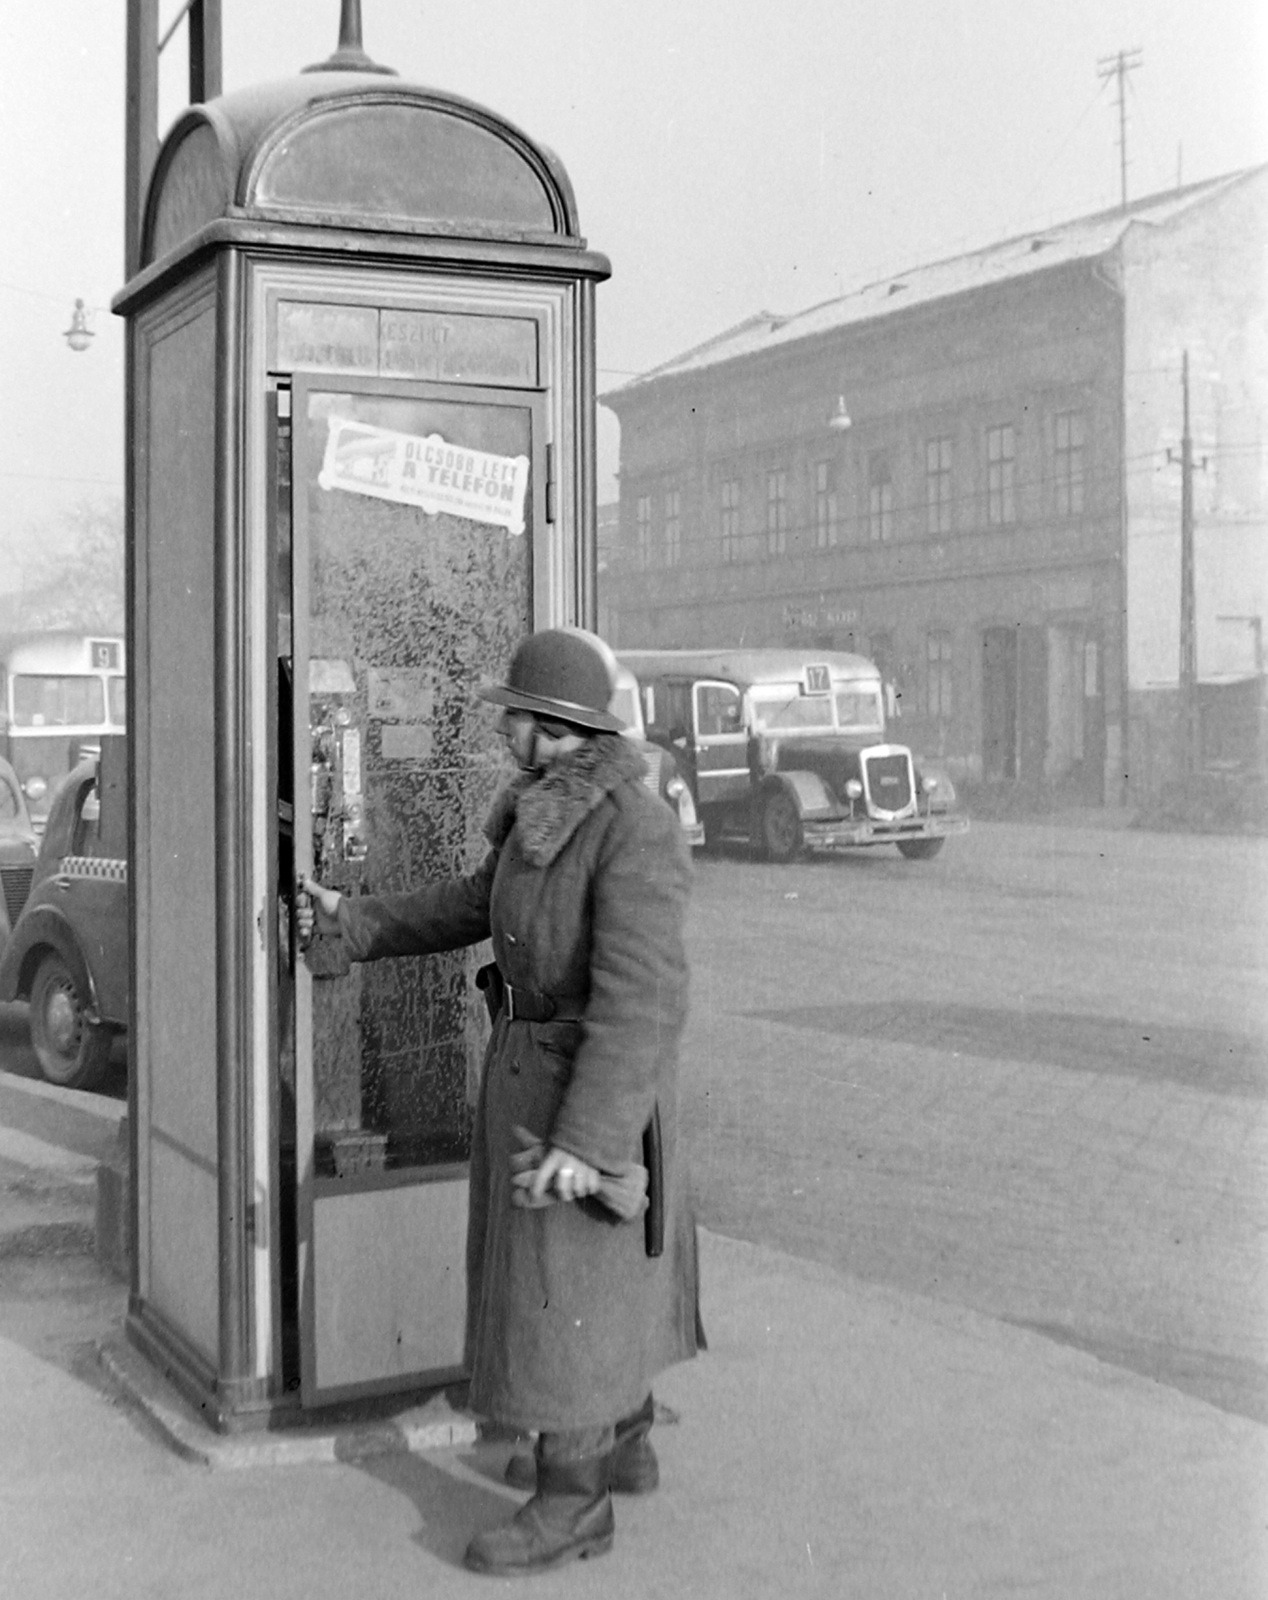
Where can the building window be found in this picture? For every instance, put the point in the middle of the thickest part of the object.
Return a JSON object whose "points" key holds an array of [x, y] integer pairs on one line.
{"points": [[825, 504], [938, 676], [880, 497], [643, 532], [1067, 462], [776, 512], [731, 519], [1001, 468], [673, 527], [938, 486]]}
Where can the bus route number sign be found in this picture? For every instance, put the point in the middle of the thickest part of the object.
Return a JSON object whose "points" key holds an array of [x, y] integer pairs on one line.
{"points": [[818, 680]]}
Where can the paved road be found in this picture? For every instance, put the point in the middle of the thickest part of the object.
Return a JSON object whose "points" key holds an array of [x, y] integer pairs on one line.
{"points": [[1028, 1078]]}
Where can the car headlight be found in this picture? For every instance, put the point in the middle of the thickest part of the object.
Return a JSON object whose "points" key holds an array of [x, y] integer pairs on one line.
{"points": [[35, 788], [674, 788], [854, 788]]}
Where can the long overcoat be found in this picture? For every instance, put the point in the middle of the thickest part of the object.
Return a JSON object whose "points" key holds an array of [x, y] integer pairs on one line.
{"points": [[583, 893]]}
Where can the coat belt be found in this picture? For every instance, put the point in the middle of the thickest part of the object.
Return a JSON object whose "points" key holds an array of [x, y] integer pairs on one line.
{"points": [[522, 1005]]}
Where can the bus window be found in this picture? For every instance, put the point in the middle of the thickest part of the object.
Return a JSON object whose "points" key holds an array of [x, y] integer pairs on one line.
{"points": [[859, 708], [717, 709], [116, 689], [56, 701]]}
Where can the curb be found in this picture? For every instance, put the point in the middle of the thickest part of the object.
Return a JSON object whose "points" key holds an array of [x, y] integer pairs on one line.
{"points": [[93, 1105], [431, 1426], [40, 1239]]}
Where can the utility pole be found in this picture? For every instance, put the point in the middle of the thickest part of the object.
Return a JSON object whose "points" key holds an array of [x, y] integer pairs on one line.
{"points": [[141, 138], [1189, 742], [1118, 66]]}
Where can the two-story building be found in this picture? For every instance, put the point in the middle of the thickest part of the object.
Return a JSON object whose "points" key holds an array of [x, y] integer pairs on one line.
{"points": [[968, 472]]}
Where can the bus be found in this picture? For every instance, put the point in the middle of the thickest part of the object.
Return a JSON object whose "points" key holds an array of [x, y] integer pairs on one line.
{"points": [[59, 692], [787, 750]]}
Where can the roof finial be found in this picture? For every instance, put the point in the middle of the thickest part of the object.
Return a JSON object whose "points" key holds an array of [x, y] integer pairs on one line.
{"points": [[350, 57]]}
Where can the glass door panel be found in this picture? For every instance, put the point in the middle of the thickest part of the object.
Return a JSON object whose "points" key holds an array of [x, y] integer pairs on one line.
{"points": [[414, 511]]}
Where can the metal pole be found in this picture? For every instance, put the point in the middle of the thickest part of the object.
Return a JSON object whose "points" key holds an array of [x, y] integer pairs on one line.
{"points": [[1118, 66], [1188, 628], [141, 141], [205, 51], [141, 123]]}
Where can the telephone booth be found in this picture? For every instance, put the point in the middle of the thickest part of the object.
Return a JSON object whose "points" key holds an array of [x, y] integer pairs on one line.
{"points": [[360, 469]]}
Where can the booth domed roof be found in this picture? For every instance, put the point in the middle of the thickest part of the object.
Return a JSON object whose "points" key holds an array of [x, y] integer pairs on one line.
{"points": [[355, 149]]}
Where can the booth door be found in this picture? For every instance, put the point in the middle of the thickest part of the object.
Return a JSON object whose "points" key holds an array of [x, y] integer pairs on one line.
{"points": [[414, 509]]}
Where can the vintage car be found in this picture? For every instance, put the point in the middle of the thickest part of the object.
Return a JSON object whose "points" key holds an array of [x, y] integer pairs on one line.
{"points": [[68, 952], [19, 847], [787, 751], [662, 769]]}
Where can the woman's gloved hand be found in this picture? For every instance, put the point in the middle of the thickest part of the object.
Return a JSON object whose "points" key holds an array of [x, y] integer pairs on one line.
{"points": [[624, 1193], [316, 911], [569, 1176]]}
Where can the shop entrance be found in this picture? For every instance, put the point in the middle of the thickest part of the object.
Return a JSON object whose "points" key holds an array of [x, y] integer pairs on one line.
{"points": [[1014, 703]]}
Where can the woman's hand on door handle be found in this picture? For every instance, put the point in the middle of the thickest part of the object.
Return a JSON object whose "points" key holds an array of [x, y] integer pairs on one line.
{"points": [[316, 910]]}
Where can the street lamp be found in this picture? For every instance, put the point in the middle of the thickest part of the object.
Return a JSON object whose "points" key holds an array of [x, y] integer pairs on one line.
{"points": [[79, 335], [840, 421]]}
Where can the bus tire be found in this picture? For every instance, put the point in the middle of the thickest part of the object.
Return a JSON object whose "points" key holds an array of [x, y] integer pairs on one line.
{"points": [[781, 832], [72, 1051]]}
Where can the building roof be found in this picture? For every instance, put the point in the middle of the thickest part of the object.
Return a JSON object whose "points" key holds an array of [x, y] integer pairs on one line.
{"points": [[1082, 239]]}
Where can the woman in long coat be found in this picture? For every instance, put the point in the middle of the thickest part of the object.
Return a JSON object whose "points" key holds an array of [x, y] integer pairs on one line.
{"points": [[583, 892]]}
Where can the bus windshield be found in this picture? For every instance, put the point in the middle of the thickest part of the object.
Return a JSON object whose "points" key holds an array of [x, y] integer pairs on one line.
{"points": [[117, 690], [856, 709], [860, 708], [789, 709], [69, 700]]}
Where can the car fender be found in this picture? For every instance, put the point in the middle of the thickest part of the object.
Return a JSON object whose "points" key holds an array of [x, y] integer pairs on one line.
{"points": [[808, 792], [44, 929]]}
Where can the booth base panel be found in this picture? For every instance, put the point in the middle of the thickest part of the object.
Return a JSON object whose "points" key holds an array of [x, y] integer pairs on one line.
{"points": [[387, 1303]]}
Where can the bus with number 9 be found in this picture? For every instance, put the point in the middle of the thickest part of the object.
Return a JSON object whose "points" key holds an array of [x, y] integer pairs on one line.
{"points": [[60, 692]]}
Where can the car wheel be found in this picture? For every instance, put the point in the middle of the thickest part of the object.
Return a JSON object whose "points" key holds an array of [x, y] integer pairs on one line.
{"points": [[920, 849], [71, 1051], [782, 836]]}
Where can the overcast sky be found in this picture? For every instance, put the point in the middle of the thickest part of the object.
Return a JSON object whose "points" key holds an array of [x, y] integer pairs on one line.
{"points": [[728, 157]]}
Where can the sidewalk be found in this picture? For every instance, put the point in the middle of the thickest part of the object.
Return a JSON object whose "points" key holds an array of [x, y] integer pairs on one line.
{"points": [[838, 1439]]}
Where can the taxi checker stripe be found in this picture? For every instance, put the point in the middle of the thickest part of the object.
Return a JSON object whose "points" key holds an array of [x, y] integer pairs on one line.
{"points": [[94, 867]]}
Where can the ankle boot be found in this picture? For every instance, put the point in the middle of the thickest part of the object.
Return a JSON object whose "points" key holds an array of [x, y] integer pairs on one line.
{"points": [[635, 1469], [569, 1518]]}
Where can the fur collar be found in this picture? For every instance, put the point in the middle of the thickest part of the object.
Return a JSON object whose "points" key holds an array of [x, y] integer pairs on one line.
{"points": [[548, 807]]}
